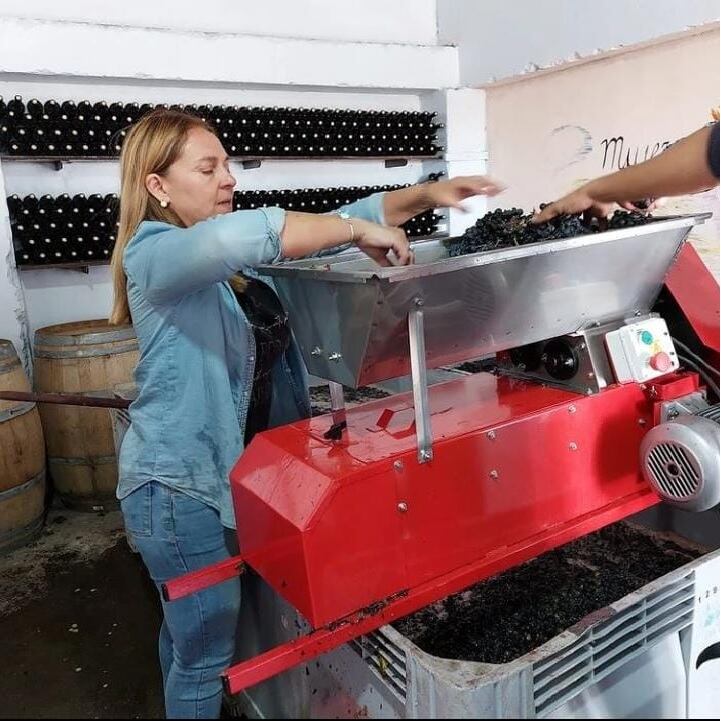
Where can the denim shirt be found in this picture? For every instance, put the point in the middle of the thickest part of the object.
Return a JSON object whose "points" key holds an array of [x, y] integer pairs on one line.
{"points": [[197, 351]]}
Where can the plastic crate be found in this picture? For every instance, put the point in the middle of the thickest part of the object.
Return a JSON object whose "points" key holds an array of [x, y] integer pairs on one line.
{"points": [[649, 654]]}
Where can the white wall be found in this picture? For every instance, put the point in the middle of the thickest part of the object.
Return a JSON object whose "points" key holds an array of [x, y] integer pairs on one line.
{"points": [[546, 133], [76, 49], [500, 38], [13, 316], [374, 21]]}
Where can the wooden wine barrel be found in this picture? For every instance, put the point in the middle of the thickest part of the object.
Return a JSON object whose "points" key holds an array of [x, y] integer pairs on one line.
{"points": [[22, 458], [89, 357]]}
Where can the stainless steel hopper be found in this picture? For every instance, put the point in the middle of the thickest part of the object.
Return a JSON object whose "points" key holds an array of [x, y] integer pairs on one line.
{"points": [[355, 321]]}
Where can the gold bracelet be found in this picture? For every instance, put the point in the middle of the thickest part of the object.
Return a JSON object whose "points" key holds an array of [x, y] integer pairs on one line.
{"points": [[346, 217]]}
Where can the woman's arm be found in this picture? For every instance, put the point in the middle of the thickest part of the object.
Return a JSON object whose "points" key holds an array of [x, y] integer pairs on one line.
{"points": [[402, 205], [305, 234], [168, 262]]}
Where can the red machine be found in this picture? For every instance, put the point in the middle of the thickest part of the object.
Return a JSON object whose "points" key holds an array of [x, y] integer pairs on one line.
{"points": [[363, 516]]}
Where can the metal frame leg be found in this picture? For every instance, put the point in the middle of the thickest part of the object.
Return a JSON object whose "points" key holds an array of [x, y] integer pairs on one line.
{"points": [[417, 343], [337, 402], [337, 408]]}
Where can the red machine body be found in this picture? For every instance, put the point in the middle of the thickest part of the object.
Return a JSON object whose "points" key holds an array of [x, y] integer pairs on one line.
{"points": [[697, 294], [339, 526]]}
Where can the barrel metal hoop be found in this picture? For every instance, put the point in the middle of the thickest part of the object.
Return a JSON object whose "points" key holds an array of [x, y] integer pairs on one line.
{"points": [[16, 490], [16, 411], [108, 336], [86, 461], [8, 363], [89, 353], [7, 349]]}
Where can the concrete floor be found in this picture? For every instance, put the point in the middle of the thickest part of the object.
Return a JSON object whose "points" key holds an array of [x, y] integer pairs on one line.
{"points": [[79, 620]]}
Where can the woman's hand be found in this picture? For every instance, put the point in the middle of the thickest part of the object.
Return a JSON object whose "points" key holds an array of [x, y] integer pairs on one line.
{"points": [[377, 240], [450, 193]]}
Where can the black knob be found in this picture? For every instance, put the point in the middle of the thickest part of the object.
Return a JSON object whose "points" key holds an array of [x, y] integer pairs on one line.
{"points": [[560, 359]]}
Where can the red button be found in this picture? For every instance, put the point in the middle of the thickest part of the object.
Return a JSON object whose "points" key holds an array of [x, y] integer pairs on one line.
{"points": [[661, 362]]}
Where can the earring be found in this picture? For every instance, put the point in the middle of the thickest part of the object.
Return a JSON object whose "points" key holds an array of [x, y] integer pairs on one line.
{"points": [[164, 203]]}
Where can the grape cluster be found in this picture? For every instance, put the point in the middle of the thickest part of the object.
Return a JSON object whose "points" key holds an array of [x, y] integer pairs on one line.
{"points": [[508, 228], [623, 219], [562, 226], [497, 229]]}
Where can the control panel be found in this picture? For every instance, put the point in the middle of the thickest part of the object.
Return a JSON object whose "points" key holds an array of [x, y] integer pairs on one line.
{"points": [[641, 351]]}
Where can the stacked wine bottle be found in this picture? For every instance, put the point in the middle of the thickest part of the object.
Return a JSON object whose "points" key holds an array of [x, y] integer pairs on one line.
{"points": [[63, 229], [80, 229], [70, 130]]}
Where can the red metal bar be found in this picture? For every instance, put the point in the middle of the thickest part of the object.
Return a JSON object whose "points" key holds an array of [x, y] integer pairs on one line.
{"points": [[195, 581], [316, 643], [68, 399]]}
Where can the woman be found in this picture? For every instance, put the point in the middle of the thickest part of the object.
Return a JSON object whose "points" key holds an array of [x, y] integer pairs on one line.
{"points": [[217, 363]]}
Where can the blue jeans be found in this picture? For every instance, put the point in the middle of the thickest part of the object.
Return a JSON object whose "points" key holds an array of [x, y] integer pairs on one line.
{"points": [[175, 534]]}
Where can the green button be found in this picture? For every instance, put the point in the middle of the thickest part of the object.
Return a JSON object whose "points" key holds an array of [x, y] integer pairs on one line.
{"points": [[646, 337]]}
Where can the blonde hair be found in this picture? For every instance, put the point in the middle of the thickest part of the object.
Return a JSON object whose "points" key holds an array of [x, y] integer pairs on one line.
{"points": [[151, 146]]}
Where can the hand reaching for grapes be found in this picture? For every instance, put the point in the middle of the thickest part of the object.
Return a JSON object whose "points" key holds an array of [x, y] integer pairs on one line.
{"points": [[583, 201], [450, 193], [579, 201], [376, 241]]}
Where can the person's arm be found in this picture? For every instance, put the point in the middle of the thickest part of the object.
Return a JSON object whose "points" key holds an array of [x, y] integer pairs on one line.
{"points": [[395, 207], [168, 262], [683, 168], [402, 205], [369, 208]]}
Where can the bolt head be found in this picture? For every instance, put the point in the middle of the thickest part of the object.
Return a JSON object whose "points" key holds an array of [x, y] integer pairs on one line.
{"points": [[493, 474], [491, 435], [403, 507]]}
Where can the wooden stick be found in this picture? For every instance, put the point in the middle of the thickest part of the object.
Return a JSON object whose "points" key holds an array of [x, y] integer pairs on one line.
{"points": [[68, 399]]}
